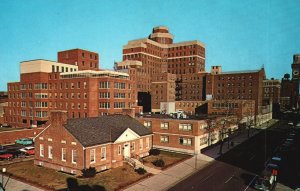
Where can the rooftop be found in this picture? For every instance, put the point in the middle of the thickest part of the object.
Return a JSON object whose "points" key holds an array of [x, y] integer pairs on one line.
{"points": [[103, 129], [189, 117], [240, 72]]}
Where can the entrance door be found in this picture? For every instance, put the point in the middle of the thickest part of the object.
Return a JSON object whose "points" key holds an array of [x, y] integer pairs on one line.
{"points": [[127, 150]]}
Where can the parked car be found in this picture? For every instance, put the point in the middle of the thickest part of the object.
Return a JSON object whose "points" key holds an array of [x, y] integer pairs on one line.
{"points": [[6, 156], [28, 150], [2, 150], [265, 182], [15, 152], [24, 141], [276, 160]]}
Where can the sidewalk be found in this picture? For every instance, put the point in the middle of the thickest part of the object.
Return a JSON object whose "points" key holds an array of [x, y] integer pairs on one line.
{"points": [[170, 177], [15, 185]]}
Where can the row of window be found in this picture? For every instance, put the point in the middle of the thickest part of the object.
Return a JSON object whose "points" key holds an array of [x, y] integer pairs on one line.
{"points": [[182, 140], [238, 91], [39, 114], [165, 125], [116, 95], [74, 154], [225, 105], [238, 84], [234, 78], [62, 69]]}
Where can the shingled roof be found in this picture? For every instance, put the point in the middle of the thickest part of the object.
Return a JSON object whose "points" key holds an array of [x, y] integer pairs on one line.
{"points": [[103, 129]]}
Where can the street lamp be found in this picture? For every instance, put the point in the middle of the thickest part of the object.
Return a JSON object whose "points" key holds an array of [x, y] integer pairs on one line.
{"points": [[3, 171]]}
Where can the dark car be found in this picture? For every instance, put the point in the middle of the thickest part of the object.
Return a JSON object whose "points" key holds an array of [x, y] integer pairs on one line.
{"points": [[15, 152], [2, 150]]}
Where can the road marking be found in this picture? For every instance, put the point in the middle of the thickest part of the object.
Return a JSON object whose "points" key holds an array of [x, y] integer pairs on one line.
{"points": [[250, 182], [228, 180], [252, 157], [206, 178]]}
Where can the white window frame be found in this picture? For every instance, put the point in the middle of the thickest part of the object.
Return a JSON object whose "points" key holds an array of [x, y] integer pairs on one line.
{"points": [[50, 152], [41, 150], [94, 156], [147, 142], [133, 146], [62, 154], [164, 139], [74, 152], [103, 153], [141, 144], [148, 124], [185, 127], [164, 125]]}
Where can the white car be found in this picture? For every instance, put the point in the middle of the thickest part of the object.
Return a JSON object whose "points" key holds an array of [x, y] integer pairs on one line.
{"points": [[26, 149]]}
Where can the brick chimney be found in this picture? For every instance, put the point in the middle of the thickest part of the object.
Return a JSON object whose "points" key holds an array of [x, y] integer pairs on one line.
{"points": [[58, 117], [130, 112]]}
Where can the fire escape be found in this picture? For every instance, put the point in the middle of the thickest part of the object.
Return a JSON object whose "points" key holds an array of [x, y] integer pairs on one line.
{"points": [[178, 89]]}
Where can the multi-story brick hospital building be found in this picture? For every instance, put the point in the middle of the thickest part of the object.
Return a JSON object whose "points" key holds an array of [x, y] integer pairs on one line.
{"points": [[145, 59], [165, 71], [46, 85]]}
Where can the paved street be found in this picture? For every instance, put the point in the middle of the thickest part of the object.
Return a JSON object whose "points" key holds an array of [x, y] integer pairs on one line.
{"points": [[172, 176], [236, 169]]}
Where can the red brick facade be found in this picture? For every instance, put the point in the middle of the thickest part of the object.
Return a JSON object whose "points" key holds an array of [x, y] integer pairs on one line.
{"points": [[158, 55], [271, 92], [81, 93], [243, 85], [9, 137], [181, 135], [241, 108], [85, 60], [63, 145]]}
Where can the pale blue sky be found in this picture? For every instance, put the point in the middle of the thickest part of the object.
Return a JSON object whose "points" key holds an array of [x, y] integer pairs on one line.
{"points": [[238, 34]]}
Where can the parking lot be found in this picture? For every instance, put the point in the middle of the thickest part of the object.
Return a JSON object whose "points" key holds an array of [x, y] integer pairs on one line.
{"points": [[23, 149]]}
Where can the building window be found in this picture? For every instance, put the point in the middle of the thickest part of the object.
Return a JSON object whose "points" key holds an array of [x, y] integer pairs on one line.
{"points": [[50, 152], [141, 144], [185, 141], [148, 124], [41, 150], [164, 139], [103, 85], [103, 153], [63, 154], [104, 105], [185, 127], [104, 95], [147, 142], [203, 140], [118, 85], [164, 125], [119, 149], [74, 156], [133, 146], [92, 156], [119, 104]]}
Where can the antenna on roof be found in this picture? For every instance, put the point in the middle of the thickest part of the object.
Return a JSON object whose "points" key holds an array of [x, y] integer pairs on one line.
{"points": [[263, 66]]}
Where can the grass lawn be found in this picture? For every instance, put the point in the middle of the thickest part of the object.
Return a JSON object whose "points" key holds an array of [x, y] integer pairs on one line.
{"points": [[170, 158], [108, 180]]}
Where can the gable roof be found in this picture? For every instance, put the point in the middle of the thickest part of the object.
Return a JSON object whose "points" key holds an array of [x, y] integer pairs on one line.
{"points": [[103, 129]]}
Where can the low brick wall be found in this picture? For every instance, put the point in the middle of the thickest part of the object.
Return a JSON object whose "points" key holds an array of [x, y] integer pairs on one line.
{"points": [[7, 137]]}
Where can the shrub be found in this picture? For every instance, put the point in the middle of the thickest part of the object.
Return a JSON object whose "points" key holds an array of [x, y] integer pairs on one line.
{"points": [[154, 152], [159, 163], [89, 172], [140, 170]]}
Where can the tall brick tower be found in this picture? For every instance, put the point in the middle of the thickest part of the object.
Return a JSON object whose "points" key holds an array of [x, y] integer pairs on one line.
{"points": [[146, 59], [84, 59]]}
